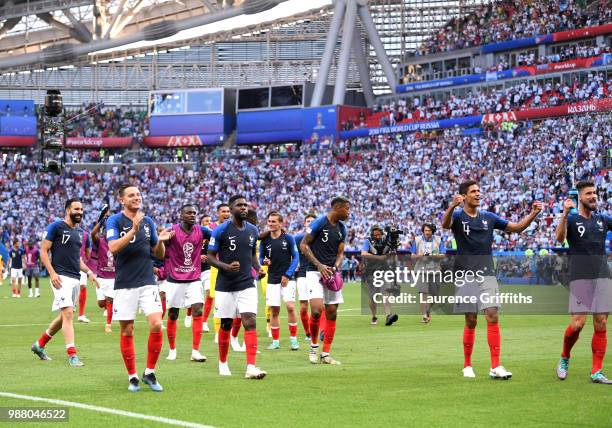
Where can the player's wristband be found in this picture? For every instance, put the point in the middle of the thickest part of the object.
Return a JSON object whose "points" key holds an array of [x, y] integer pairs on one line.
{"points": [[89, 272]]}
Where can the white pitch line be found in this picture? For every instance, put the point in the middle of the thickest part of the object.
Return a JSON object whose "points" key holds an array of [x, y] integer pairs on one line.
{"points": [[99, 409]]}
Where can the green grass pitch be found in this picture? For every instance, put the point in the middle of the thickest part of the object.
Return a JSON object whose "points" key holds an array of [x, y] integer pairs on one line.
{"points": [[405, 375]]}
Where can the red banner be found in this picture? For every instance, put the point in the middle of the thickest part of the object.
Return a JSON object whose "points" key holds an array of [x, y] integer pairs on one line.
{"points": [[16, 141], [493, 118], [566, 65], [582, 33], [103, 142], [174, 141], [566, 110]]}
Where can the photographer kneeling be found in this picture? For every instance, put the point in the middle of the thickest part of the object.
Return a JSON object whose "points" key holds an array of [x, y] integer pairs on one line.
{"points": [[376, 254]]}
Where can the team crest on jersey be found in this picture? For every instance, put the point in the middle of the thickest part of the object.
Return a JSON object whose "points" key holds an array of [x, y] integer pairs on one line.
{"points": [[251, 240], [485, 223], [147, 230], [600, 224], [188, 251], [284, 245]]}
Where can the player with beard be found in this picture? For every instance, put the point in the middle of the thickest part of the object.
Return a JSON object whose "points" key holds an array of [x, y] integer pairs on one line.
{"points": [[184, 283], [223, 215], [133, 239], [323, 246], [590, 285], [473, 229], [232, 250], [64, 239]]}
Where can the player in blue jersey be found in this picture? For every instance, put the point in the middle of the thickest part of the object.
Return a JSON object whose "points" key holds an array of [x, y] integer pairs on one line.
{"points": [[301, 284], [590, 285], [15, 266], [278, 251], [233, 251], [323, 247], [64, 239], [132, 238], [473, 230]]}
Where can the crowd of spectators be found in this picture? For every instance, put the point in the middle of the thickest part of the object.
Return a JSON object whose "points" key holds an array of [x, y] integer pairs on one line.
{"points": [[403, 179], [489, 100], [96, 120], [504, 20]]}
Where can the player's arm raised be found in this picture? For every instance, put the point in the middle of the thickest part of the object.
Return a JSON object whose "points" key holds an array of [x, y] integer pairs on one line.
{"points": [[561, 231], [525, 221], [116, 242], [447, 220], [159, 248], [95, 234]]}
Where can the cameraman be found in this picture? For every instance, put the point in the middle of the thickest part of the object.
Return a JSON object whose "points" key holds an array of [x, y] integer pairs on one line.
{"points": [[427, 251], [375, 254]]}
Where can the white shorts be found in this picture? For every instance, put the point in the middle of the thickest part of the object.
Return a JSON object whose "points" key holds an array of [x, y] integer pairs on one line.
{"points": [[67, 295], [183, 295], [16, 273], [206, 279], [302, 288], [230, 304], [317, 291], [106, 288], [274, 292], [163, 286], [83, 280], [129, 300], [593, 296]]}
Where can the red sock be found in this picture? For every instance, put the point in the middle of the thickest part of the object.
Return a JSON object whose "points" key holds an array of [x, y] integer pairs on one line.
{"points": [[127, 351], [314, 330], [322, 321], [71, 350], [224, 341], [109, 312], [82, 300], [171, 332], [44, 339], [156, 339], [494, 340], [275, 333], [163, 308], [236, 326], [196, 329], [598, 346], [569, 339], [469, 337], [292, 329], [305, 321], [188, 312], [330, 330], [250, 340], [14, 290], [208, 304]]}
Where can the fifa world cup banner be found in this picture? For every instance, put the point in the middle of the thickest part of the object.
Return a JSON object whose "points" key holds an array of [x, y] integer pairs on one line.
{"points": [[320, 125], [183, 141], [94, 143], [592, 106], [16, 141]]}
